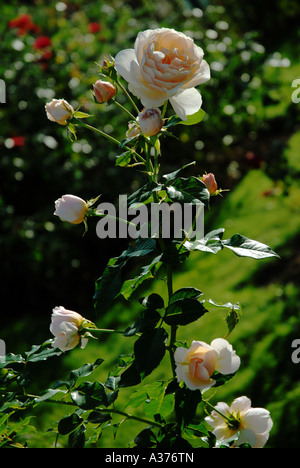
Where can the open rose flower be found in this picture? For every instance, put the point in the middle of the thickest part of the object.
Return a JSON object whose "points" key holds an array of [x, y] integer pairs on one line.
{"points": [[71, 208], [59, 111], [252, 424], [164, 65], [65, 328], [196, 365]]}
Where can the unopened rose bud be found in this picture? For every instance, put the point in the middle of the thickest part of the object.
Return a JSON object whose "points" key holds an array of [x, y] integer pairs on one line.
{"points": [[150, 121], [133, 130], [71, 208], [104, 91], [65, 326], [210, 182], [59, 111]]}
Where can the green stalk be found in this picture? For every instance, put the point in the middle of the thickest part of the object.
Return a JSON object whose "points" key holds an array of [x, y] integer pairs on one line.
{"points": [[104, 410]]}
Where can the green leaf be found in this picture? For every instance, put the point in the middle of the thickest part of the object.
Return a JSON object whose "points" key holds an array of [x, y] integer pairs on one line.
{"points": [[147, 272], [149, 350], [188, 190], [173, 175], [183, 293], [83, 371], [161, 404], [145, 439], [244, 247], [81, 115], [69, 423], [108, 286], [194, 118], [89, 395], [211, 242], [10, 359], [186, 402], [42, 352], [153, 301], [146, 320], [123, 159], [77, 437], [184, 311], [144, 194], [48, 394], [130, 376]]}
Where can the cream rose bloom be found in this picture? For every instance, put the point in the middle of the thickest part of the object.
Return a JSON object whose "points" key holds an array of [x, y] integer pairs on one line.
{"points": [[71, 208], [196, 365], [65, 328], [59, 111], [253, 424], [164, 64]]}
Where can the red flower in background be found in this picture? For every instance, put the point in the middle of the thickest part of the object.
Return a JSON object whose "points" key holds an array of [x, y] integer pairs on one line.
{"points": [[94, 27], [42, 42], [18, 140], [23, 23]]}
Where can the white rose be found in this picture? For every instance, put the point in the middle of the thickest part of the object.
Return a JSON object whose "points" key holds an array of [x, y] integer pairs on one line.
{"points": [[59, 111], [71, 208], [164, 64], [65, 328], [253, 424], [196, 365]]}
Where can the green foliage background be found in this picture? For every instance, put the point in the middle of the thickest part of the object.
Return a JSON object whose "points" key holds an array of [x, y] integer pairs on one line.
{"points": [[249, 139]]}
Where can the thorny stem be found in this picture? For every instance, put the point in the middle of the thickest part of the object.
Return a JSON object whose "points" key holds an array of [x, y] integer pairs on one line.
{"points": [[169, 279], [104, 410]]}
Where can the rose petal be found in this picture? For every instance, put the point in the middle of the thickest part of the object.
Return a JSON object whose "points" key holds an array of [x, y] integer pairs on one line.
{"points": [[186, 102]]}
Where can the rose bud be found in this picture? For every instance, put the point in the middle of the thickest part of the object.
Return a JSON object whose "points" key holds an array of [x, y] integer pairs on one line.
{"points": [[59, 111], [71, 208], [150, 121], [104, 91], [65, 325], [133, 130], [210, 182]]}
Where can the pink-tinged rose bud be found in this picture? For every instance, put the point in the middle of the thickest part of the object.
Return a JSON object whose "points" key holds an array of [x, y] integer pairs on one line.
{"points": [[210, 182], [150, 121], [59, 111], [65, 326], [71, 208], [196, 365], [104, 91]]}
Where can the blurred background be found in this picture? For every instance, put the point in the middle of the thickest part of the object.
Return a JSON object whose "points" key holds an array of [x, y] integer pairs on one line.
{"points": [[250, 140]]}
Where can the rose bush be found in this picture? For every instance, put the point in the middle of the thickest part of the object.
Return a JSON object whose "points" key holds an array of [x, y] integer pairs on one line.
{"points": [[165, 66]]}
